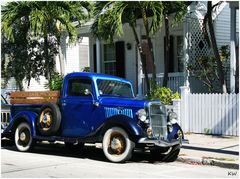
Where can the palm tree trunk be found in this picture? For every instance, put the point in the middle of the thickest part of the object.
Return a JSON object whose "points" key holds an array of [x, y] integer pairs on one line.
{"points": [[154, 76], [61, 58], [28, 81], [19, 83], [46, 56], [150, 46], [215, 49], [143, 58], [166, 57]]}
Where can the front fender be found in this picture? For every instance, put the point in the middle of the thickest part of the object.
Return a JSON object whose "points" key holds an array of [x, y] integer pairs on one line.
{"points": [[174, 133], [24, 116], [127, 123]]}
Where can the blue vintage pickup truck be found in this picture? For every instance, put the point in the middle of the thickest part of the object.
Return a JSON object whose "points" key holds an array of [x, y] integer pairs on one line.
{"points": [[95, 108]]}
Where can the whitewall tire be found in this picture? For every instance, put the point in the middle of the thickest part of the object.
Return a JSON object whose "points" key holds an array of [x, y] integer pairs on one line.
{"points": [[23, 137], [117, 146]]}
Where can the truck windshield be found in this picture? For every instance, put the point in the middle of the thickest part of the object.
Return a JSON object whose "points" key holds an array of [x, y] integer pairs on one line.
{"points": [[114, 88]]}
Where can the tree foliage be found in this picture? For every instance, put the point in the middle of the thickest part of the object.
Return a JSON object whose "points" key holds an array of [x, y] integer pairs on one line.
{"points": [[43, 17], [24, 58], [43, 23]]}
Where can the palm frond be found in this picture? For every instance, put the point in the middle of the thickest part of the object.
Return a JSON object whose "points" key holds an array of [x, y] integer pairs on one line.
{"points": [[45, 17]]}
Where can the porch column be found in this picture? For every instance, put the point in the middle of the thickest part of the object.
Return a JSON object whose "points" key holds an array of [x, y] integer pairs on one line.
{"points": [[98, 55], [186, 49], [139, 65], [232, 50], [62, 54], [184, 108]]}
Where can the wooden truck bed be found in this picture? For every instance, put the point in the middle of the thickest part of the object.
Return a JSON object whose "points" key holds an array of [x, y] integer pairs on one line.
{"points": [[34, 97]]}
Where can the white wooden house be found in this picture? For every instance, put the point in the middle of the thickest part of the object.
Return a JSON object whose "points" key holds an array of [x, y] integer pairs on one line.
{"points": [[122, 58]]}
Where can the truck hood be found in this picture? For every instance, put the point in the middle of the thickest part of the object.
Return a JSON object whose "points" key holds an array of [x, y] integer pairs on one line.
{"points": [[123, 102]]}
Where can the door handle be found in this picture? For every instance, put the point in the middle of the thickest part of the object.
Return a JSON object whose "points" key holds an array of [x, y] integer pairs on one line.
{"points": [[96, 103]]}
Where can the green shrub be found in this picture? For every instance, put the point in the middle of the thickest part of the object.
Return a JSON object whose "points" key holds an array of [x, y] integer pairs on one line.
{"points": [[165, 95], [55, 83], [86, 69]]}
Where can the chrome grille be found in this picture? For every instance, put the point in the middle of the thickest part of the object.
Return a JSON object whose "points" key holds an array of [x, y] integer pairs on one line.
{"points": [[5, 118], [158, 120]]}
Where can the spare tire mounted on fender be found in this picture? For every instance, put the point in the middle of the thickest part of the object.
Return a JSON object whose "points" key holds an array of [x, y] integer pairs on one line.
{"points": [[49, 119]]}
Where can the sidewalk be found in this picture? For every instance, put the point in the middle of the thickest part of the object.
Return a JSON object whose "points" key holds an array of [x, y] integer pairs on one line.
{"points": [[203, 149]]}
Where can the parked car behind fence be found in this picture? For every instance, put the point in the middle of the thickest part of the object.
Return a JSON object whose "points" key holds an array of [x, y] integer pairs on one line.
{"points": [[5, 113]]}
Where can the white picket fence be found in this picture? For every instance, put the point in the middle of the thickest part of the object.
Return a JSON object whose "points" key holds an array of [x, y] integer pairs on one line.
{"points": [[210, 113]]}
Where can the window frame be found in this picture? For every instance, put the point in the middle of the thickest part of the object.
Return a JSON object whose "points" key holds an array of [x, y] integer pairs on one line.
{"points": [[79, 78], [116, 81], [105, 53]]}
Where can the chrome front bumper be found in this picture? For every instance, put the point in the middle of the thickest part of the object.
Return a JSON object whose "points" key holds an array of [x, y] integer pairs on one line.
{"points": [[162, 143]]}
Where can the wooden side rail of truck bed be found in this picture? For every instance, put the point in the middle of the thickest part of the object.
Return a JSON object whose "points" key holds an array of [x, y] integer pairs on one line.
{"points": [[34, 97]]}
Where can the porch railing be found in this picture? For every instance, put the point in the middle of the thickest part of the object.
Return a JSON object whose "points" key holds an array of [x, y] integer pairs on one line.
{"points": [[175, 80]]}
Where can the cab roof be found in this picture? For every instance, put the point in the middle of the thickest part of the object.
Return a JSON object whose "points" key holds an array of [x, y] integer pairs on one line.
{"points": [[95, 76]]}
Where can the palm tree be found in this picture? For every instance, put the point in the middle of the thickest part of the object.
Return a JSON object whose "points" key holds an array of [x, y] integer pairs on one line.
{"points": [[44, 18], [111, 15], [211, 39]]}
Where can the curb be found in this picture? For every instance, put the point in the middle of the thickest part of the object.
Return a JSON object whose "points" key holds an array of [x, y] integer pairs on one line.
{"points": [[203, 161]]}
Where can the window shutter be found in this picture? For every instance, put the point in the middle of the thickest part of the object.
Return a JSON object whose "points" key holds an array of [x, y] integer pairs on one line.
{"points": [[120, 59], [95, 58], [171, 50], [171, 54]]}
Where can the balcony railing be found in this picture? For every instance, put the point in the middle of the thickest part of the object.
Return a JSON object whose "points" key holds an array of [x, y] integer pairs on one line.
{"points": [[175, 80]]}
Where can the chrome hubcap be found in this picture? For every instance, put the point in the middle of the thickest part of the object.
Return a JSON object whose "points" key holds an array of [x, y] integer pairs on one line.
{"points": [[46, 119], [116, 144], [22, 136]]}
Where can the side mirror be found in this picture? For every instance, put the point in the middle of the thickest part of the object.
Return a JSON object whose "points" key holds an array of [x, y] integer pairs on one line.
{"points": [[88, 92]]}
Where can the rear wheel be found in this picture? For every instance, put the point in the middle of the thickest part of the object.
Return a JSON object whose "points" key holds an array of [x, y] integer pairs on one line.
{"points": [[117, 146], [23, 137]]}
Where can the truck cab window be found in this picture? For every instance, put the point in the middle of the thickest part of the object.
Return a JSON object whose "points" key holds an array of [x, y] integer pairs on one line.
{"points": [[76, 87], [114, 88]]}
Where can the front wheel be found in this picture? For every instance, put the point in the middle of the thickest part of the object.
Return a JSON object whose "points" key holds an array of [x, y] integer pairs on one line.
{"points": [[168, 154], [23, 137], [117, 146]]}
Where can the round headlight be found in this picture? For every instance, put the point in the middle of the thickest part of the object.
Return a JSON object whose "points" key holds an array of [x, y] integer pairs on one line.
{"points": [[163, 109], [173, 117], [170, 128], [142, 115]]}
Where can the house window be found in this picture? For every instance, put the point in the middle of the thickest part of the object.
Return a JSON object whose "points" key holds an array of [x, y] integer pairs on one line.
{"points": [[176, 61], [179, 55], [109, 63]]}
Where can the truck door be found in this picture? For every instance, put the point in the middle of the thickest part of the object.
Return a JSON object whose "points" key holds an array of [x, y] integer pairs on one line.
{"points": [[77, 108]]}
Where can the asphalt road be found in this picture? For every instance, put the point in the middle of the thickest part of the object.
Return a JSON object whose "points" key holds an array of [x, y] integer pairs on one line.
{"points": [[54, 161]]}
